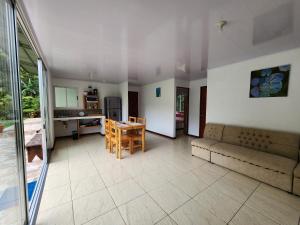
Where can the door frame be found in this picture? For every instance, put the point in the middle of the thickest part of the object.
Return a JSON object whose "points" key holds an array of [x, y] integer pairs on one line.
{"points": [[17, 109], [200, 108], [186, 110]]}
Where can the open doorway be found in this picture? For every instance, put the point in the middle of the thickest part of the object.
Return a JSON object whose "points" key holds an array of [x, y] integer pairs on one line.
{"points": [[182, 110], [133, 103]]}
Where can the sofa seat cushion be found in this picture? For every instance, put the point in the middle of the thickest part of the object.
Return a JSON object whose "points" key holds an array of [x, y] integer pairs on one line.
{"points": [[204, 143], [262, 159], [297, 171]]}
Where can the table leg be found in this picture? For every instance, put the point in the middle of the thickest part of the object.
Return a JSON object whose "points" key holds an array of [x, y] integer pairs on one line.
{"points": [[143, 139], [120, 147]]}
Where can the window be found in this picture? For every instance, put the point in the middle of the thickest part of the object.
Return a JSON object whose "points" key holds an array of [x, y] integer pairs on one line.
{"points": [[65, 97]]}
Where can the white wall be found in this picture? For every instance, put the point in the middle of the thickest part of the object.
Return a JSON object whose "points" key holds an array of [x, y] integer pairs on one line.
{"points": [[159, 111], [104, 89], [182, 83], [194, 105], [123, 92], [134, 88], [229, 102]]}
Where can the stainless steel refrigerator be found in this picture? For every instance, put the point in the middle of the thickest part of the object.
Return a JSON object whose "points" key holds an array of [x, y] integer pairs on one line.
{"points": [[113, 108]]}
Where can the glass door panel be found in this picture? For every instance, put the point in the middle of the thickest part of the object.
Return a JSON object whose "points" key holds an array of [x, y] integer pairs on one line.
{"points": [[12, 185], [34, 105], [43, 106]]}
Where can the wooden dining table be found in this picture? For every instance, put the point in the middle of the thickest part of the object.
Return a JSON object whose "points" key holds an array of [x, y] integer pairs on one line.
{"points": [[128, 126]]}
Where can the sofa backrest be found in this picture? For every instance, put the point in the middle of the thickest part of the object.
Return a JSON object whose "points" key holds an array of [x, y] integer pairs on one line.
{"points": [[279, 143], [213, 131]]}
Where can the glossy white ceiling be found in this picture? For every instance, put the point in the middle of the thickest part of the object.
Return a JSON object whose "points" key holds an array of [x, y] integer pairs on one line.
{"points": [[145, 41]]}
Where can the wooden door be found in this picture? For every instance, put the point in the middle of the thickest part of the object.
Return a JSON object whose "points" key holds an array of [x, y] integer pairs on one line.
{"points": [[133, 103], [203, 98]]}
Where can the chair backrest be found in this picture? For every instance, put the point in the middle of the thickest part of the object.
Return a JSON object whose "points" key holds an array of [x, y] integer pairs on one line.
{"points": [[107, 125], [113, 129], [141, 120], [132, 119]]}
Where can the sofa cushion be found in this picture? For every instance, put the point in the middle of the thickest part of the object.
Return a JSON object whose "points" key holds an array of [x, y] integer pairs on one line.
{"points": [[204, 143], [297, 171], [213, 131], [279, 143], [262, 159], [276, 179]]}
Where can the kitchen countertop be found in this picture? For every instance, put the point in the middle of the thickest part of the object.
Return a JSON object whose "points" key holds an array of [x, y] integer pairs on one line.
{"points": [[78, 117]]}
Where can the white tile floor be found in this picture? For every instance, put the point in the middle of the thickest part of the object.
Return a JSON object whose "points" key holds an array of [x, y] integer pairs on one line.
{"points": [[165, 186]]}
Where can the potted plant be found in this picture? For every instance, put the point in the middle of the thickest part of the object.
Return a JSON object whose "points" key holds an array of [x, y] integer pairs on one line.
{"points": [[1, 128]]}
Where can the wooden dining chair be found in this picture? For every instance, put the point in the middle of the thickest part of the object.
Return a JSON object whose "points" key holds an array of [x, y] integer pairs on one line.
{"points": [[119, 140], [107, 134], [132, 119], [138, 137]]}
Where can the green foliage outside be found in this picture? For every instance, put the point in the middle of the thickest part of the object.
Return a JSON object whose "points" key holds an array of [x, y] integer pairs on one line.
{"points": [[29, 90], [30, 94]]}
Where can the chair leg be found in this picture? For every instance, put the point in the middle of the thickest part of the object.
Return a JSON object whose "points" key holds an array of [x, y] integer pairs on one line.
{"points": [[119, 152], [131, 147]]}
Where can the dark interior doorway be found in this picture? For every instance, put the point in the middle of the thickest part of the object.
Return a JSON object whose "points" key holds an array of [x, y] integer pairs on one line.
{"points": [[133, 103], [182, 110], [203, 99]]}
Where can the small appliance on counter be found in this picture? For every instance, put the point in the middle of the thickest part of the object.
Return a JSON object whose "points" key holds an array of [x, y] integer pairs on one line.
{"points": [[81, 113]]}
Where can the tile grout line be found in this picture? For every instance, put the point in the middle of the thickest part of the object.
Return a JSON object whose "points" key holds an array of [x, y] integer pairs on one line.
{"points": [[106, 188], [71, 188], [57, 187], [190, 198], [244, 203]]}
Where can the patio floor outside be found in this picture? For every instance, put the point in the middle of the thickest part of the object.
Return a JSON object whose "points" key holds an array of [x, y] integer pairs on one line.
{"points": [[9, 199]]}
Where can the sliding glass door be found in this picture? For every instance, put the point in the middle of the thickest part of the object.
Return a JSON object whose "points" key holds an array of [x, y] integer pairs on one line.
{"points": [[35, 117], [13, 205], [43, 83]]}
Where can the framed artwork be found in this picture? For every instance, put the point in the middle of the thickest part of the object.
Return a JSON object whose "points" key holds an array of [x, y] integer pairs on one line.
{"points": [[270, 82], [158, 92]]}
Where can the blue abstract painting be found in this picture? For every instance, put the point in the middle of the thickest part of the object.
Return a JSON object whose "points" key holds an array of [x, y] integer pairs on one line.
{"points": [[270, 82], [157, 92]]}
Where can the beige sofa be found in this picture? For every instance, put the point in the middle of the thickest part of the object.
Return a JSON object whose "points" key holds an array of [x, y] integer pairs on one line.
{"points": [[296, 187], [268, 156]]}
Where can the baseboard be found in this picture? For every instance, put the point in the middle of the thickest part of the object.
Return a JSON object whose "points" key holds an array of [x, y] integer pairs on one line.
{"points": [[163, 135], [191, 135]]}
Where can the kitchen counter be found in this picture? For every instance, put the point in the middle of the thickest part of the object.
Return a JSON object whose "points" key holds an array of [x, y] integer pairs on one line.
{"points": [[78, 118], [65, 125]]}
